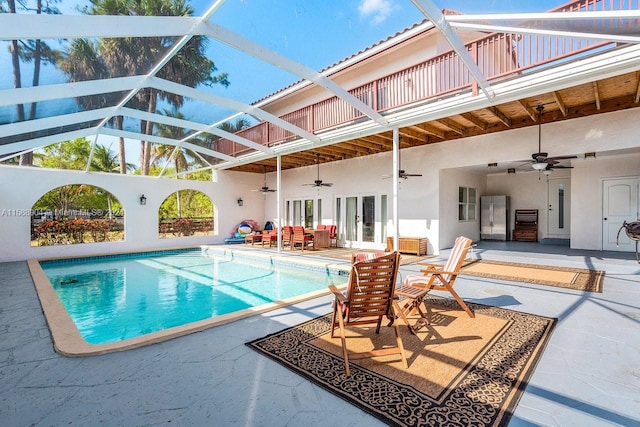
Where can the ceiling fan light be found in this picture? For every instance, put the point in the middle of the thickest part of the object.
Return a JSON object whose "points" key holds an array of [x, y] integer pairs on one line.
{"points": [[547, 172], [539, 166]]}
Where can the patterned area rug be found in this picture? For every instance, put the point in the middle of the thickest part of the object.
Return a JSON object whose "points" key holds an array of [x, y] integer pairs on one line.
{"points": [[462, 371], [571, 278]]}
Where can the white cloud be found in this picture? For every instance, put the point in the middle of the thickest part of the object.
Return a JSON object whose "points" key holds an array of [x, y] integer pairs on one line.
{"points": [[377, 10]]}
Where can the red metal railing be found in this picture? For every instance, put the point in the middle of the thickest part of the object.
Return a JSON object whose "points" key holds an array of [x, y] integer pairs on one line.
{"points": [[497, 55]]}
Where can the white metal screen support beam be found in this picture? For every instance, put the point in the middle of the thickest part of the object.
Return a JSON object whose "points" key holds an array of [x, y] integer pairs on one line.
{"points": [[434, 14], [396, 187], [187, 124], [242, 44], [166, 141], [556, 33], [279, 199], [166, 58], [190, 92]]}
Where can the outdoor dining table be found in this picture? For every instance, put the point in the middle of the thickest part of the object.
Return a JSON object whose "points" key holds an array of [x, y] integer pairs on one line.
{"points": [[320, 238]]}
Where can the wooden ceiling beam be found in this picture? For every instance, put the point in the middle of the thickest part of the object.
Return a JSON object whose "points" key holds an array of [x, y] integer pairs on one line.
{"points": [[596, 94], [411, 138], [374, 143], [432, 130], [529, 110], [450, 124], [477, 121], [560, 103], [637, 98], [500, 116], [361, 148]]}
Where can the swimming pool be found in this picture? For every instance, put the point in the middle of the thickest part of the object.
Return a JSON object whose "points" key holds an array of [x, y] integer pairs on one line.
{"points": [[125, 299]]}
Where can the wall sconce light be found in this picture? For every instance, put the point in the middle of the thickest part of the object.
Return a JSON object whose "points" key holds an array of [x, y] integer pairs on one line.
{"points": [[143, 200], [240, 201]]}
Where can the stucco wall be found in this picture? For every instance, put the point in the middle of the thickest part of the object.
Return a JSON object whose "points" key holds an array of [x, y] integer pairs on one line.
{"points": [[21, 187], [587, 184]]}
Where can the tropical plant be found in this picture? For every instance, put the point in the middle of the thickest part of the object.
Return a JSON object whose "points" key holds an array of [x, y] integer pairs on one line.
{"points": [[64, 155], [136, 56]]}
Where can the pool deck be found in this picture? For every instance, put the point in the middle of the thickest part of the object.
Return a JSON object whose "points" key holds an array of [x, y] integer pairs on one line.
{"points": [[589, 374]]}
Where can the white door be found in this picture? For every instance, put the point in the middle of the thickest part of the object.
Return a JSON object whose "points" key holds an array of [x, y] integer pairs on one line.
{"points": [[558, 208], [300, 212], [360, 221], [619, 204]]}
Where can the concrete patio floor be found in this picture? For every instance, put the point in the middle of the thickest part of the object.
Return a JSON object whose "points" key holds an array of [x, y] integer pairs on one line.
{"points": [[589, 374]]}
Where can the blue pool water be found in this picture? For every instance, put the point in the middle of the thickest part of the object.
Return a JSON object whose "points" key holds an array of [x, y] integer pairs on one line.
{"points": [[118, 298]]}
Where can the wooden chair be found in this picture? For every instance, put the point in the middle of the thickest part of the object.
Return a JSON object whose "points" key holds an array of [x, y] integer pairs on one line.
{"points": [[287, 234], [270, 238], [369, 298], [299, 237], [333, 236], [253, 238], [435, 277]]}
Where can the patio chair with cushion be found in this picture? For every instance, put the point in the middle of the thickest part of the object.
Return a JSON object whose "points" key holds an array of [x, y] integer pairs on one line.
{"points": [[299, 237], [270, 238], [287, 234], [333, 236], [435, 277], [369, 297]]}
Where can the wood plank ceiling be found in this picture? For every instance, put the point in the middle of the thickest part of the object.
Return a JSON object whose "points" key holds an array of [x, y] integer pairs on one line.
{"points": [[596, 97]]}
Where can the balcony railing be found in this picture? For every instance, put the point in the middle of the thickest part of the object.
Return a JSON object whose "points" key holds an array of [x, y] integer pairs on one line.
{"points": [[498, 56]]}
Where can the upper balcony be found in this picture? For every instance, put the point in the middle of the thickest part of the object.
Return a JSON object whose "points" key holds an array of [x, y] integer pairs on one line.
{"points": [[499, 57]]}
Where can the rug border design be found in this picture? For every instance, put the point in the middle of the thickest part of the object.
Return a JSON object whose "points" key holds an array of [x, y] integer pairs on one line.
{"points": [[597, 276], [414, 405]]}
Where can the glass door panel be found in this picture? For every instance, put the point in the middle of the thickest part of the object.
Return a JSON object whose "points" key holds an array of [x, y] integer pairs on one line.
{"points": [[297, 212], [368, 219], [351, 220], [308, 213]]}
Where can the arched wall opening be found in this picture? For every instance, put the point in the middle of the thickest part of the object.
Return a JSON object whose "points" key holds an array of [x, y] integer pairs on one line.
{"points": [[76, 213], [186, 213]]}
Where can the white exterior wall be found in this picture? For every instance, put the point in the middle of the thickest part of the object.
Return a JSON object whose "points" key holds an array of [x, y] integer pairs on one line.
{"points": [[427, 204], [21, 187], [587, 209]]}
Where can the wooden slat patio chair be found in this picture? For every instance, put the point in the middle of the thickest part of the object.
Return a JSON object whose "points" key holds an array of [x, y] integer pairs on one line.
{"points": [[369, 298], [299, 237], [435, 277]]}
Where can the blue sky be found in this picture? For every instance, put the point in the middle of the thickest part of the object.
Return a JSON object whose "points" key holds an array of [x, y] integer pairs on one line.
{"points": [[320, 33], [315, 33]]}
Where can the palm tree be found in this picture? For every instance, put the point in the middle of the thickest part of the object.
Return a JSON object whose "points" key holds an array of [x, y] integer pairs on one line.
{"points": [[105, 160], [83, 61], [34, 51], [135, 56]]}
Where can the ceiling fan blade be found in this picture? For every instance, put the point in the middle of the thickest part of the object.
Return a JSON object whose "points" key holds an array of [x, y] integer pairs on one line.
{"points": [[562, 157]]}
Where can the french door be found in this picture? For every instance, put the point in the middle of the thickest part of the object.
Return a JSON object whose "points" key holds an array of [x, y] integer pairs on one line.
{"points": [[361, 220], [300, 212]]}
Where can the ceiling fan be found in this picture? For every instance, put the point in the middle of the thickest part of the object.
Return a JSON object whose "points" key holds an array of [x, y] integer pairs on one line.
{"points": [[401, 172], [541, 160], [265, 189], [318, 182]]}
